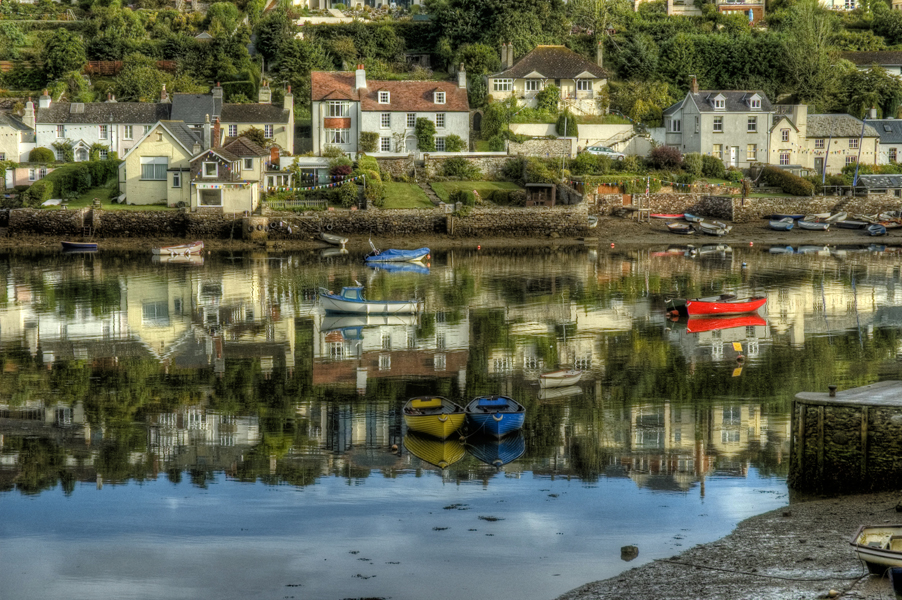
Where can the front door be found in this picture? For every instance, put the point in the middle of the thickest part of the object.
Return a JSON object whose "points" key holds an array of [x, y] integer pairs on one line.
{"points": [[734, 155], [819, 165]]}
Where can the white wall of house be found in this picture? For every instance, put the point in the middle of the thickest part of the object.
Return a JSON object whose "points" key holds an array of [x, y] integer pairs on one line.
{"points": [[401, 126], [322, 136], [889, 153], [118, 136]]}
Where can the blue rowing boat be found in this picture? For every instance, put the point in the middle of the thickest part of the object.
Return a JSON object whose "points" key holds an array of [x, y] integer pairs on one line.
{"points": [[784, 224], [876, 229], [497, 452], [393, 255], [79, 246], [494, 415], [400, 267]]}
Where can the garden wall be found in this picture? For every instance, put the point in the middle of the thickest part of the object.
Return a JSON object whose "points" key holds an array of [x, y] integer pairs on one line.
{"points": [[491, 164], [545, 148]]}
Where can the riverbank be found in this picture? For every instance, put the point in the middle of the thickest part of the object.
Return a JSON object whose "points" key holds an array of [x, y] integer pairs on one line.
{"points": [[609, 230], [801, 551]]}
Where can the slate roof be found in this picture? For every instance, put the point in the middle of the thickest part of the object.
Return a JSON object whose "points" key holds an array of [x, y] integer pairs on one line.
{"points": [[881, 181], [223, 153], [889, 130], [405, 96], [824, 126], [99, 113], [885, 58], [194, 108], [553, 62], [183, 133], [254, 113], [242, 147], [734, 101], [8, 120]]}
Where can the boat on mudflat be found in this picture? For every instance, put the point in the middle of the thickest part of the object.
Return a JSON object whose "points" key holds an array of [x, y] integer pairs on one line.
{"points": [[850, 224], [79, 246], [725, 304], [879, 547], [191, 248], [494, 415], [592, 222], [351, 300], [784, 224], [393, 255], [713, 227], [778, 216], [433, 415], [876, 229], [814, 225], [681, 228], [331, 238], [560, 378]]}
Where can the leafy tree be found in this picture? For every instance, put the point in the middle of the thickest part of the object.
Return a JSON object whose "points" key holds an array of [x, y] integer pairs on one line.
{"points": [[256, 135], [638, 58], [11, 39], [295, 62], [344, 50], [63, 52], [225, 14], [478, 59], [425, 132], [665, 157], [808, 52], [566, 125], [596, 16], [454, 143], [274, 31], [888, 23], [549, 98], [368, 141], [676, 64], [861, 90], [641, 101]]}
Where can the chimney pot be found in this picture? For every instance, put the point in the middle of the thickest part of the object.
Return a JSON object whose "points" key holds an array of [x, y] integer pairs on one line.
{"points": [[832, 389], [693, 85]]}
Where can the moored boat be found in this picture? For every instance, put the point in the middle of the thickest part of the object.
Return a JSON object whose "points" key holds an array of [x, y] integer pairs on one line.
{"points": [[667, 215], [725, 304], [878, 546], [393, 255], [436, 452], [191, 248], [178, 259], [400, 267], [876, 229], [559, 392], [497, 452], [836, 217], [703, 324], [784, 224], [559, 378], [433, 415], [79, 246], [713, 228], [351, 300], [814, 225], [692, 218], [850, 224], [331, 238], [681, 228], [494, 415], [592, 222]]}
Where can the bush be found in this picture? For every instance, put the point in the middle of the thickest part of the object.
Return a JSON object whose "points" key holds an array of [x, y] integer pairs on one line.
{"points": [[501, 197], [693, 163], [425, 132], [347, 194], [538, 172], [786, 181], [585, 163], [454, 143], [566, 119], [41, 155], [734, 175], [367, 163], [38, 193], [375, 192], [517, 198], [496, 143], [368, 141], [549, 98], [461, 168], [713, 167], [330, 151], [665, 157], [631, 164]]}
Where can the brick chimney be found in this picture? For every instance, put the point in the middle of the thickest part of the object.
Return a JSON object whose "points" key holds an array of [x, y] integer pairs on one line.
{"points": [[360, 78], [44, 100], [216, 133], [274, 156], [265, 94], [208, 133], [164, 96], [693, 85]]}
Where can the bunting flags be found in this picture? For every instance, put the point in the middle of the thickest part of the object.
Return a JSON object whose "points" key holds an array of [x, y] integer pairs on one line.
{"points": [[284, 188]]}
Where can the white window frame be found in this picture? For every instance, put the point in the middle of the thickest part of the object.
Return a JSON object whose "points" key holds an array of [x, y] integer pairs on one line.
{"points": [[176, 179], [752, 125], [247, 164], [784, 135], [385, 144], [754, 103], [717, 127], [384, 97], [533, 85], [891, 155], [205, 173], [155, 166], [751, 152], [439, 144], [851, 160], [128, 132], [411, 120], [853, 143], [233, 131], [674, 126], [339, 108], [338, 136], [104, 154], [440, 120], [147, 129], [719, 104], [717, 150], [103, 132], [819, 144], [268, 131], [502, 85], [583, 85], [32, 175], [440, 97], [60, 131], [385, 121], [785, 157]]}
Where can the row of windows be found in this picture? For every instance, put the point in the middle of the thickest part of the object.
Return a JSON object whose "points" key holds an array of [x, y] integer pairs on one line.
{"points": [[385, 98], [786, 156], [534, 85], [154, 168], [385, 144], [128, 131], [751, 151], [411, 122]]}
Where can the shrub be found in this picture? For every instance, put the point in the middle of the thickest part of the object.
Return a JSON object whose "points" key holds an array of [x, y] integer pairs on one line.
{"points": [[566, 119], [425, 132], [734, 175], [631, 164], [713, 167], [538, 172], [454, 143], [38, 193], [368, 141], [585, 163], [517, 198], [466, 197], [375, 192], [340, 166], [460, 167], [41, 155], [330, 151], [665, 157], [786, 181], [496, 143], [347, 194], [367, 163], [548, 98], [693, 163], [513, 169], [501, 197]]}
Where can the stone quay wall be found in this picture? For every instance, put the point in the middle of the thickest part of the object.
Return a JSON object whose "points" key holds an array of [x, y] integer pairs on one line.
{"points": [[843, 448], [717, 207], [532, 221], [752, 209]]}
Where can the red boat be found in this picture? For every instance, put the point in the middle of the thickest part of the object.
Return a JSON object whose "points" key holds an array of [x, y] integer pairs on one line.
{"points": [[666, 216], [702, 324], [725, 304]]}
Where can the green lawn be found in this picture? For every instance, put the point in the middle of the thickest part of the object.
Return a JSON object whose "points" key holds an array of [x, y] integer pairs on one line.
{"points": [[106, 194], [443, 189], [405, 195]]}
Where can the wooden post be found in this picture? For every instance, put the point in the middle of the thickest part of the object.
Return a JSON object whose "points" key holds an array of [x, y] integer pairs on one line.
{"points": [[820, 441], [864, 441], [801, 436]]}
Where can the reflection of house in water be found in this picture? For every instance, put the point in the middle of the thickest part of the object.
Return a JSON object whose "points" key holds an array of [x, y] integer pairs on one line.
{"points": [[352, 349], [195, 437]]}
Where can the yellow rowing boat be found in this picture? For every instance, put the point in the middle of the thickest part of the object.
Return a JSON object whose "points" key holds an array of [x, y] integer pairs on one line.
{"points": [[433, 415], [436, 452]]}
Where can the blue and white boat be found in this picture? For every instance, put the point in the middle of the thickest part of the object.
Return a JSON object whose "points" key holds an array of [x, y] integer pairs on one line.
{"points": [[400, 267], [351, 301], [876, 229], [784, 224], [494, 415], [494, 451], [393, 255]]}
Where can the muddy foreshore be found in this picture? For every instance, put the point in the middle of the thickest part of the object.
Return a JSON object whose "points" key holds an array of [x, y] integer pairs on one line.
{"points": [[609, 230]]}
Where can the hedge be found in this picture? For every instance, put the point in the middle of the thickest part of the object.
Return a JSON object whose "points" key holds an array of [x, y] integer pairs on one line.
{"points": [[786, 181], [70, 179], [41, 155]]}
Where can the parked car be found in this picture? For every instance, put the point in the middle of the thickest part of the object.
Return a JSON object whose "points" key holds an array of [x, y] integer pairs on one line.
{"points": [[605, 151]]}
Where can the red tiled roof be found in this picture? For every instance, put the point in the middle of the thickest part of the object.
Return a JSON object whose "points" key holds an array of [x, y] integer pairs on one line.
{"points": [[406, 96]]}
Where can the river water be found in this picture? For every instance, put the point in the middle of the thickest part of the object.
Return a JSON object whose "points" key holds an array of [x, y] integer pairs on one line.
{"points": [[203, 431]]}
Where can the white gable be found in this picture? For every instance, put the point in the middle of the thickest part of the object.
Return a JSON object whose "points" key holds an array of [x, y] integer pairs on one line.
{"points": [[534, 75], [585, 75]]}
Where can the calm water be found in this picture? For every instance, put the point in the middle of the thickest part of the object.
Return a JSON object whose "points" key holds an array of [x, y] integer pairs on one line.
{"points": [[201, 431]]}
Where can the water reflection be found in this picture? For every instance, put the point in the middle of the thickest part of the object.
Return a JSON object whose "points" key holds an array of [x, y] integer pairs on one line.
{"points": [[117, 370]]}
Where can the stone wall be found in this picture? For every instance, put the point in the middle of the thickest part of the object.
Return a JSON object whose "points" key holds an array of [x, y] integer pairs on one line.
{"points": [[398, 167], [47, 222], [718, 207], [490, 164], [756, 208], [533, 221], [545, 148]]}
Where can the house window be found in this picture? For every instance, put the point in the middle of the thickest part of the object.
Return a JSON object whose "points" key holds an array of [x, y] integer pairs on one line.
{"points": [[385, 144], [147, 129], [210, 197], [439, 144], [850, 4], [385, 121], [153, 168], [248, 164], [533, 85], [784, 135], [59, 155], [697, 124], [31, 175], [892, 155], [853, 143], [2, 156], [233, 131], [209, 169], [337, 136], [103, 154], [440, 97], [128, 132], [717, 150], [60, 131], [718, 124], [411, 120], [440, 120], [584, 85], [719, 104], [502, 85], [176, 179], [267, 131], [753, 125], [755, 103], [674, 125], [384, 97], [751, 152], [784, 158], [338, 108], [104, 132], [42, 173], [385, 362], [819, 143], [851, 160]]}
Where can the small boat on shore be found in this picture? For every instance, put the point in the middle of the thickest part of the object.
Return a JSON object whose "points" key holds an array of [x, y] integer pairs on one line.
{"points": [[879, 547], [725, 304], [851, 224], [433, 415], [814, 225], [330, 238], [79, 246], [351, 301], [713, 228], [784, 224], [876, 229], [681, 228], [192, 248], [494, 415], [560, 378], [393, 255], [592, 221]]}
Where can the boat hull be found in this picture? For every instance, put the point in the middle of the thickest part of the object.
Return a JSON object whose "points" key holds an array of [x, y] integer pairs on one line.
{"points": [[192, 248], [333, 239], [680, 228], [333, 304], [879, 546], [435, 416], [783, 225], [494, 421], [876, 230], [80, 246], [702, 324], [497, 452], [814, 225], [705, 307], [559, 379], [398, 255]]}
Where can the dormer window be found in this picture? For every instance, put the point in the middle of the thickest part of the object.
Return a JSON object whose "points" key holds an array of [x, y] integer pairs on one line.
{"points": [[440, 97], [384, 97], [719, 103], [755, 103]]}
